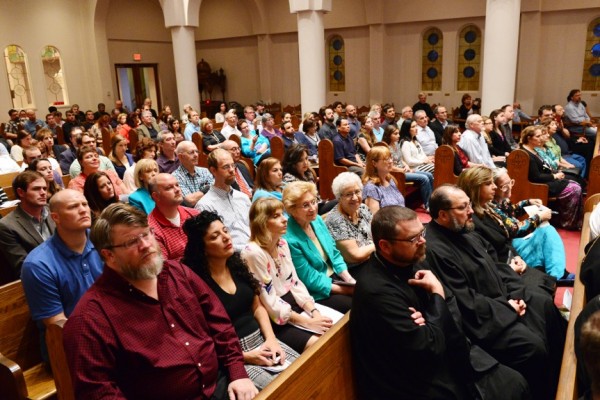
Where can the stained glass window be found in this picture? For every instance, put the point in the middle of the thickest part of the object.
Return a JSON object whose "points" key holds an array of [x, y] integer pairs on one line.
{"points": [[431, 67], [469, 59], [591, 63], [337, 64], [56, 91], [18, 77]]}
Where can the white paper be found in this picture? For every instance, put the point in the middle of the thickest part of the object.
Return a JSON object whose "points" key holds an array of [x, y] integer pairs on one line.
{"points": [[325, 311], [567, 299]]}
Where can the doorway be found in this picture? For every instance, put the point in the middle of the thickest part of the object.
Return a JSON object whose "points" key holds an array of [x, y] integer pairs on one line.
{"points": [[137, 82]]}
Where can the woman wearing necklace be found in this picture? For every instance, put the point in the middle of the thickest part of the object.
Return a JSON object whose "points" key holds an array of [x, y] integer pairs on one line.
{"points": [[210, 254], [380, 186], [318, 262], [350, 223], [568, 193], [211, 138], [283, 294]]}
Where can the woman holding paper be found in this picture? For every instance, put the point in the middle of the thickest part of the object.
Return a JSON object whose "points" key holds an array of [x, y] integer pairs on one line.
{"points": [[210, 254], [319, 264], [538, 242], [287, 301], [478, 184]]}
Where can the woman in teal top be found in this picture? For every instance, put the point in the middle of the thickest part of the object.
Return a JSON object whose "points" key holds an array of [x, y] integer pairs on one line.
{"points": [[145, 169], [269, 180], [318, 262], [254, 146]]}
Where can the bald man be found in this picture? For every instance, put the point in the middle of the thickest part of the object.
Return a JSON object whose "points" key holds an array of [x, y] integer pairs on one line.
{"points": [[59, 271]]}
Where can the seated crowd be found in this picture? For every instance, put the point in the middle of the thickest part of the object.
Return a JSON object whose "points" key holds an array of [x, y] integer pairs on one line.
{"points": [[186, 281]]}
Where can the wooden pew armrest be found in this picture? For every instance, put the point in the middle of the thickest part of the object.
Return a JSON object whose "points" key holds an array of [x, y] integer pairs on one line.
{"points": [[12, 380]]}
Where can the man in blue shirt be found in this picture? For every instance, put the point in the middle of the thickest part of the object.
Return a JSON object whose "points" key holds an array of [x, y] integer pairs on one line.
{"points": [[32, 122], [59, 271], [344, 149]]}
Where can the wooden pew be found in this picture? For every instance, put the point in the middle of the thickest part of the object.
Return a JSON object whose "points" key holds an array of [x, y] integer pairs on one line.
{"points": [[444, 166], [58, 360], [7, 179], [202, 158], [23, 375], [324, 371], [327, 169], [277, 148], [517, 164], [567, 383], [594, 175], [106, 141]]}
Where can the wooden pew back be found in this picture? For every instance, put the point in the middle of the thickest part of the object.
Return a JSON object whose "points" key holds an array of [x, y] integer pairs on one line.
{"points": [[444, 166], [58, 360], [22, 373], [277, 148], [517, 164], [327, 169], [324, 371], [202, 158]]}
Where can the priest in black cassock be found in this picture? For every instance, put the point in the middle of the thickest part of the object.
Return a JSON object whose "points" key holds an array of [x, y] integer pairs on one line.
{"points": [[520, 328], [407, 341]]}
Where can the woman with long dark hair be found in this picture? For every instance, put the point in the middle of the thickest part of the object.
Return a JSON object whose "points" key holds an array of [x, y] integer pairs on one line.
{"points": [[99, 192], [210, 254]]}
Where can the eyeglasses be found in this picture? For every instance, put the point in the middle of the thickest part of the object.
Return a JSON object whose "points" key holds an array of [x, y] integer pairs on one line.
{"points": [[308, 205], [192, 152], [349, 196], [507, 186], [413, 240], [234, 148], [134, 241], [227, 167], [462, 207]]}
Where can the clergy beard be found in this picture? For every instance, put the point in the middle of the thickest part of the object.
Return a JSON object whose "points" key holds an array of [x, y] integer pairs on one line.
{"points": [[468, 226], [146, 271]]}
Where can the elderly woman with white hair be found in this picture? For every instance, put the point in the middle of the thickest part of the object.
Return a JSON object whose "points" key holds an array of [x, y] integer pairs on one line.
{"points": [[350, 222]]}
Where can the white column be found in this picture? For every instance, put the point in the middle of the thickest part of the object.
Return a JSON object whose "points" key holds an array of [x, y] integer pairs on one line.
{"points": [[184, 51], [501, 46], [311, 51]]}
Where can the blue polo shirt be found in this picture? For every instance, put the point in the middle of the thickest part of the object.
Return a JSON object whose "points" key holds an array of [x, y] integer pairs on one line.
{"points": [[55, 277], [343, 148]]}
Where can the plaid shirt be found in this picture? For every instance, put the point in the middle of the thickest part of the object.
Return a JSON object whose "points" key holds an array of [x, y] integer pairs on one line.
{"points": [[193, 183]]}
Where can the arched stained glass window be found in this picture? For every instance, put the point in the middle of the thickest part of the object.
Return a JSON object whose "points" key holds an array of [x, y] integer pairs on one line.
{"points": [[56, 91], [18, 77], [591, 63], [431, 68], [337, 64], [469, 59]]}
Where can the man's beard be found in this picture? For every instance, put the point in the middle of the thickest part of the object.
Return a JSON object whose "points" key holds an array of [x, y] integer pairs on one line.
{"points": [[468, 226], [149, 270]]}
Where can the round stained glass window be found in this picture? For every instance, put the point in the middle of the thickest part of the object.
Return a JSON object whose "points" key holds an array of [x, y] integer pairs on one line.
{"points": [[469, 72], [338, 76], [595, 70], [337, 60], [432, 56], [469, 54], [337, 44], [432, 73], [433, 39], [470, 37], [597, 30], [596, 50]]}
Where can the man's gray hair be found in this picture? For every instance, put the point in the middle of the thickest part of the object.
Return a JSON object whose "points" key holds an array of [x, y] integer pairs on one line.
{"points": [[418, 113]]}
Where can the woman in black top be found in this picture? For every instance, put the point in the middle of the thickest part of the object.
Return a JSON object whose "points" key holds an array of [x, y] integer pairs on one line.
{"points": [[210, 254]]}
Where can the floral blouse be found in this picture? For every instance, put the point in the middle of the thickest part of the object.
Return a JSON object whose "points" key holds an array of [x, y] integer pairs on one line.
{"points": [[341, 228], [277, 277], [548, 157], [510, 214]]}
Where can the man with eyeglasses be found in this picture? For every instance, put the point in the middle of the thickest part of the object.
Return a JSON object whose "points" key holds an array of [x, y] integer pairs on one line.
{"points": [[473, 143], [231, 204], [403, 316], [243, 180], [150, 329], [193, 180], [522, 329], [57, 273], [168, 216]]}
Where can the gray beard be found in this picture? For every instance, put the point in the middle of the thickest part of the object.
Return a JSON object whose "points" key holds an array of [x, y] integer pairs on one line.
{"points": [[144, 272], [466, 228]]}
